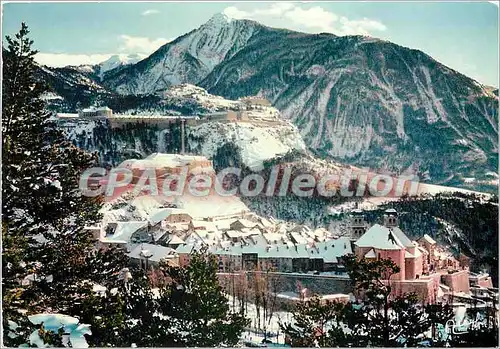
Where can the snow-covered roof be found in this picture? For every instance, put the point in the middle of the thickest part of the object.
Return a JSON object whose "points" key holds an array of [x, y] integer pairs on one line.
{"points": [[256, 240], [238, 234], [384, 238], [162, 160], [159, 215], [273, 238], [93, 109], [299, 239], [229, 250], [224, 224], [185, 248], [428, 239], [157, 252], [402, 237], [330, 250], [175, 240], [371, 254], [124, 231], [265, 222], [207, 225], [245, 222]]}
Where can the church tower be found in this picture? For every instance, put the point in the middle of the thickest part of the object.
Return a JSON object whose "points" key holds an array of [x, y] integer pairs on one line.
{"points": [[357, 224], [391, 218]]}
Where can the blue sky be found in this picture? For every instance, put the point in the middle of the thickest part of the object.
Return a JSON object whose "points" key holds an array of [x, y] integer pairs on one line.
{"points": [[462, 35]]}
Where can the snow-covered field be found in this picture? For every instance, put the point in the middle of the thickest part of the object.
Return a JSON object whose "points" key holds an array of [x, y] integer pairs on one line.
{"points": [[256, 335]]}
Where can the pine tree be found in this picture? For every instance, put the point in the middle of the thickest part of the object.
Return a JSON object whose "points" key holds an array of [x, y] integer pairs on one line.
{"points": [[44, 213], [380, 319], [316, 322], [376, 319], [195, 310]]}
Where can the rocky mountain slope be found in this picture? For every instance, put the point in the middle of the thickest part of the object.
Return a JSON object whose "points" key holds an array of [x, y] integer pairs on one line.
{"points": [[354, 99], [189, 58], [76, 87], [371, 103]]}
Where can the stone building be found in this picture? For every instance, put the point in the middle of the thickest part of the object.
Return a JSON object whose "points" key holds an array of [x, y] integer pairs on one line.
{"points": [[95, 112]]}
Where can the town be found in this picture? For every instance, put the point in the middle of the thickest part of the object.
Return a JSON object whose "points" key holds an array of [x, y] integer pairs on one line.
{"points": [[172, 228], [268, 175]]}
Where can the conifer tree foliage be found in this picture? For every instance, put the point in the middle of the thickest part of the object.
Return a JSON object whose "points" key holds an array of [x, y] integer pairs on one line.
{"points": [[48, 259], [380, 319], [316, 323], [195, 310], [377, 319]]}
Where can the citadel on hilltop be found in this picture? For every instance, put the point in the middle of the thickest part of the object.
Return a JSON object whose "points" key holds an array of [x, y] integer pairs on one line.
{"points": [[248, 109]]}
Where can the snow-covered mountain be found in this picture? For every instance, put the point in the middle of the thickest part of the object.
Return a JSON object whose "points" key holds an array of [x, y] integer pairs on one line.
{"points": [[119, 60], [370, 103], [188, 59], [198, 98], [355, 99], [74, 85], [263, 137]]}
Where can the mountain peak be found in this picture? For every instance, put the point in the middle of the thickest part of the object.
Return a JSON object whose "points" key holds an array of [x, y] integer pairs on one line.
{"points": [[118, 60], [219, 19]]}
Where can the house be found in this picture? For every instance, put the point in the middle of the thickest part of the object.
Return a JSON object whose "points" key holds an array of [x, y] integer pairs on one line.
{"points": [[149, 256], [265, 224], [185, 251], [173, 241], [426, 269], [429, 245], [229, 258], [239, 236], [203, 225], [331, 251], [273, 238], [297, 238], [480, 280], [123, 234], [301, 261], [170, 216], [242, 223], [276, 258], [316, 262], [95, 112], [249, 259]]}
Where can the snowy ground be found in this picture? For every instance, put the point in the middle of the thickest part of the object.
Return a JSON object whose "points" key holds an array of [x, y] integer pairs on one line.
{"points": [[142, 207], [257, 143], [253, 334]]}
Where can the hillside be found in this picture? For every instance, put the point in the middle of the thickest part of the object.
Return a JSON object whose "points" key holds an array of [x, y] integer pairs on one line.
{"points": [[371, 103], [355, 99]]}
